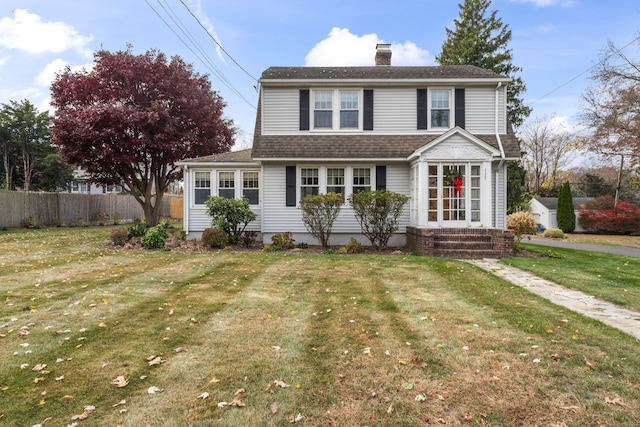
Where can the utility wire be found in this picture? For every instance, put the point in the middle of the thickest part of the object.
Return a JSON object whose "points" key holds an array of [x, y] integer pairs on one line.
{"points": [[206, 60], [583, 73], [216, 41]]}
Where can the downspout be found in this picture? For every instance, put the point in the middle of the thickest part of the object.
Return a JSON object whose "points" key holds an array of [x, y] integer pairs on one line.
{"points": [[185, 200], [502, 156]]}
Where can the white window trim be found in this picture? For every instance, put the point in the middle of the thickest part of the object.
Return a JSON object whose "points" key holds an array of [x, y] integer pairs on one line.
{"points": [[322, 178], [335, 108], [193, 186], [242, 172], [452, 118]]}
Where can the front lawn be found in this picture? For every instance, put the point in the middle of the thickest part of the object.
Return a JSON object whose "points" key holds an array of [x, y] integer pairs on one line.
{"points": [[103, 337], [613, 278]]}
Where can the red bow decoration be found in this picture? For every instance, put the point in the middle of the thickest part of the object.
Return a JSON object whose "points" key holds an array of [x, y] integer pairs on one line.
{"points": [[458, 183]]}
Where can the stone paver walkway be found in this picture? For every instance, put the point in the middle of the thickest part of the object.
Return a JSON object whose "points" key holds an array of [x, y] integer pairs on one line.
{"points": [[626, 320]]}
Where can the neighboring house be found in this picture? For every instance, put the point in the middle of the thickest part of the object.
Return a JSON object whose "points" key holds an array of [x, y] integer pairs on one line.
{"points": [[81, 185], [410, 130], [545, 210]]}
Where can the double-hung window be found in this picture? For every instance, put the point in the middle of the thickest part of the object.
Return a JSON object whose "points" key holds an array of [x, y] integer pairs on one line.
{"points": [[335, 181], [226, 185], [361, 179], [202, 187], [440, 108], [348, 110], [251, 187], [309, 182], [323, 110]]}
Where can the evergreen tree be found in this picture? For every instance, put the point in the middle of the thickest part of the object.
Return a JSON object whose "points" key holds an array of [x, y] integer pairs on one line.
{"points": [[482, 40], [566, 215]]}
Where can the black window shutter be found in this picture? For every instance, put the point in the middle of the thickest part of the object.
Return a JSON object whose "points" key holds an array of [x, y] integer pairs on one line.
{"points": [[460, 119], [381, 177], [304, 109], [367, 118], [290, 183], [422, 108]]}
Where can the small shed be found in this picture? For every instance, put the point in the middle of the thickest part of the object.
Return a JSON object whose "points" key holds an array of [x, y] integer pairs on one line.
{"points": [[545, 210]]}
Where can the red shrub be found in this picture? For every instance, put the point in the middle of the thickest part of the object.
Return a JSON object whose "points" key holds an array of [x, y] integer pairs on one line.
{"points": [[600, 216]]}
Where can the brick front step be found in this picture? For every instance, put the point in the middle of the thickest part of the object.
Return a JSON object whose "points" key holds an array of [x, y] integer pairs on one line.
{"points": [[467, 243]]}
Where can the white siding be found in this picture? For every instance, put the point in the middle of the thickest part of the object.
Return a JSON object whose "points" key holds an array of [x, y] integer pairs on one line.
{"points": [[395, 110], [502, 109], [278, 218], [480, 110], [500, 197], [280, 111]]}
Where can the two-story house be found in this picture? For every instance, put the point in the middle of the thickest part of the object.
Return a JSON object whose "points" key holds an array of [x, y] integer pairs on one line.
{"points": [[438, 134]]}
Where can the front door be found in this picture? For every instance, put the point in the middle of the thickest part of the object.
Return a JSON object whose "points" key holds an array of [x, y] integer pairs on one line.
{"points": [[454, 195]]}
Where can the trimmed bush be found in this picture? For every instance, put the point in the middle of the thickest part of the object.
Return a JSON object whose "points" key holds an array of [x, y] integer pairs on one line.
{"points": [[319, 212], [282, 240], [378, 213], [119, 236], [354, 247], [213, 238], [553, 233], [137, 229], [155, 237], [249, 238]]}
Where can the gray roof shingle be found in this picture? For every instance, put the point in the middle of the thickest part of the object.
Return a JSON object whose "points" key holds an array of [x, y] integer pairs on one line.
{"points": [[379, 72]]}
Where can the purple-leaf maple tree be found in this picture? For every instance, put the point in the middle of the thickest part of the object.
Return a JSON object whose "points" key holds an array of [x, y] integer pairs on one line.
{"points": [[132, 117]]}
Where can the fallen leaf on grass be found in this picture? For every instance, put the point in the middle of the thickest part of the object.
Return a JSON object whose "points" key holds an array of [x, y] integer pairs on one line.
{"points": [[39, 367], [407, 386], [296, 418], [87, 411], [122, 402], [203, 395], [222, 404], [153, 390], [274, 407], [614, 401], [214, 380], [390, 409], [418, 362], [420, 398], [120, 381], [237, 402], [155, 360]]}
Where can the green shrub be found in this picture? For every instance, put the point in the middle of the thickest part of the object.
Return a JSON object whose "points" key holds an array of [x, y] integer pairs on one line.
{"points": [[354, 247], [119, 236], [155, 237], [80, 222], [378, 213], [137, 229], [230, 215], [58, 223], [553, 233], [319, 212], [302, 245], [116, 218], [213, 238], [283, 240], [566, 213]]}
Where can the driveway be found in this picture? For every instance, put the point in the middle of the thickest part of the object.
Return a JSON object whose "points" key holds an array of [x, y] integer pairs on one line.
{"points": [[617, 250]]}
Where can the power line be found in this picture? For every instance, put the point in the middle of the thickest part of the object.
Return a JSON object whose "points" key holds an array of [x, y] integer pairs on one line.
{"points": [[216, 41], [583, 73], [203, 57]]}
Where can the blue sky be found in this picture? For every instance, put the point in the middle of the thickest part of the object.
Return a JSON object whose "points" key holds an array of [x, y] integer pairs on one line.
{"points": [[556, 42]]}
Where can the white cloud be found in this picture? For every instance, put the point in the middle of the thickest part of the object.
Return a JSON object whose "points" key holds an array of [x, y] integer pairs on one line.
{"points": [[342, 48], [206, 23], [27, 32], [48, 74]]}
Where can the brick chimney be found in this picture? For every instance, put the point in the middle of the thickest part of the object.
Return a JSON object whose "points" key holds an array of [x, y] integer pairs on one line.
{"points": [[383, 54]]}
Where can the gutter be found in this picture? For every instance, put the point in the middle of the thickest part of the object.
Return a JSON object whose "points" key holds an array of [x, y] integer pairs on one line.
{"points": [[502, 155]]}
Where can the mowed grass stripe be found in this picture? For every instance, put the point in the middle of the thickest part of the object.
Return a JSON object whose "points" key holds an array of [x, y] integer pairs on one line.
{"points": [[122, 344]]}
